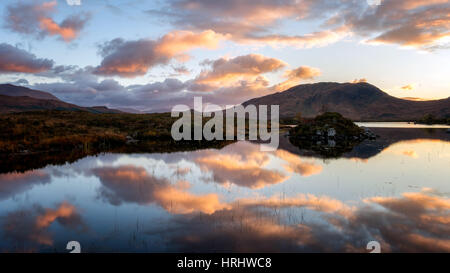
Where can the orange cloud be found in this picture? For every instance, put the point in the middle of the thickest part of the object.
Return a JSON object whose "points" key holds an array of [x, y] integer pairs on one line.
{"points": [[16, 60], [408, 87], [359, 80], [295, 76], [414, 4], [66, 33], [179, 41], [36, 19], [417, 23], [315, 39], [135, 58], [228, 71], [249, 22], [413, 23]]}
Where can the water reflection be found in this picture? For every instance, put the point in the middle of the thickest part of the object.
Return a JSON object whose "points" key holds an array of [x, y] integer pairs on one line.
{"points": [[15, 183], [28, 229], [414, 222], [135, 184], [235, 199]]}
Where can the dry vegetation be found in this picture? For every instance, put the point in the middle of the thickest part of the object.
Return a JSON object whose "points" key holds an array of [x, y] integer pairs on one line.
{"points": [[59, 130]]}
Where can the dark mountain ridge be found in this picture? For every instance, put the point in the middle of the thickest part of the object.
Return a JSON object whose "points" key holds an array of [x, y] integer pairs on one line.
{"points": [[357, 101], [19, 91], [21, 99]]}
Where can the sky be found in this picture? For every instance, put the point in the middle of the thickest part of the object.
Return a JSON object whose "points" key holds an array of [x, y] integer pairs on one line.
{"points": [[152, 55]]}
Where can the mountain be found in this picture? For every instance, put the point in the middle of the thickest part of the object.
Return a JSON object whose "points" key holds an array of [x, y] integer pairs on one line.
{"points": [[21, 99], [9, 104], [357, 101], [19, 91]]}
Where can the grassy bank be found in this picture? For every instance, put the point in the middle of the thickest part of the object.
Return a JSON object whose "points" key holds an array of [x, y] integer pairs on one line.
{"points": [[32, 140], [60, 130]]}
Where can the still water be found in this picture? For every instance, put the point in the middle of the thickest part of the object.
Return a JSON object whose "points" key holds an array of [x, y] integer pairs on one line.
{"points": [[399, 125], [395, 190]]}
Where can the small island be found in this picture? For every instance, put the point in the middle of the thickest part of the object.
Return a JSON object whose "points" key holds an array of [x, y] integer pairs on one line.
{"points": [[329, 134], [430, 119]]}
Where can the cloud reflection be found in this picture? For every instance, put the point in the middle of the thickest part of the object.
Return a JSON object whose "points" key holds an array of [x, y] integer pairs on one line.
{"points": [[243, 164], [29, 228], [413, 222], [15, 183], [135, 184]]}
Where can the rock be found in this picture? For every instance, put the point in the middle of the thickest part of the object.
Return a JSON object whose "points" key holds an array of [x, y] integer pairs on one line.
{"points": [[331, 143], [131, 140], [331, 132]]}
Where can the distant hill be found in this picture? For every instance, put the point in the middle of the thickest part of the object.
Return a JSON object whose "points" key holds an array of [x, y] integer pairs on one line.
{"points": [[357, 101], [21, 99], [9, 104], [19, 91]]}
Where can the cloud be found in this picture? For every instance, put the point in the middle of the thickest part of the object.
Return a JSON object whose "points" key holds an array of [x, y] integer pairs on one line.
{"points": [[73, 2], [226, 71], [224, 81], [302, 73], [34, 18], [408, 87], [314, 39], [359, 80], [181, 70], [252, 22], [16, 60], [415, 23], [295, 76], [135, 58]]}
